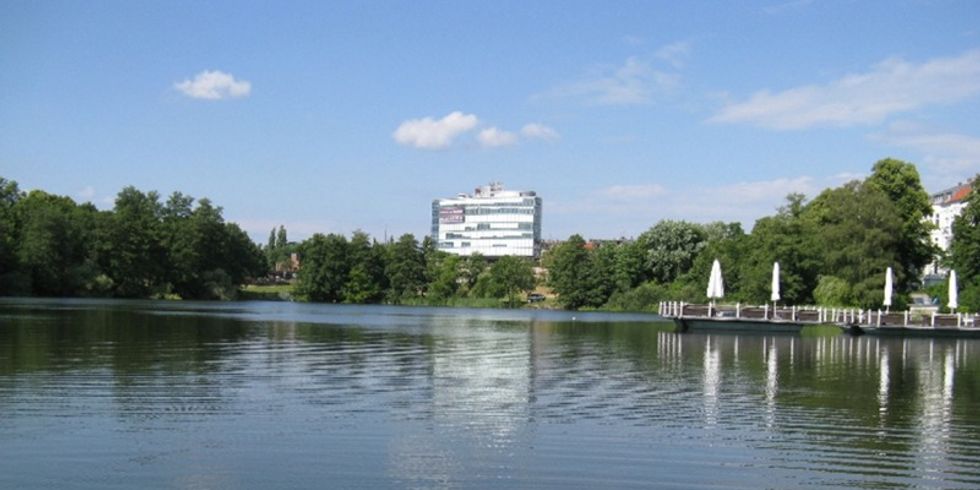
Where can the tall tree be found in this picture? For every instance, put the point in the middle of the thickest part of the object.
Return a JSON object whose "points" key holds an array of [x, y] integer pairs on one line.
{"points": [[54, 244], [788, 239], [900, 182], [444, 273], [366, 281], [10, 194], [859, 234], [325, 268], [281, 241], [508, 278], [671, 247], [572, 274], [405, 269], [135, 258]]}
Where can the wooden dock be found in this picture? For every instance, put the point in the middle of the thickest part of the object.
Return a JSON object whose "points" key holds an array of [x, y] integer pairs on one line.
{"points": [[792, 319]]}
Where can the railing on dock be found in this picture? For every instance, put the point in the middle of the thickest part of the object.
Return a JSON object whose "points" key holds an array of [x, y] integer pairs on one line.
{"points": [[819, 315]]}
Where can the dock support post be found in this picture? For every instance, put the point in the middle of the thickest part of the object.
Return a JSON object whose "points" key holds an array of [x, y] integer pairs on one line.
{"points": [[906, 319], [959, 320], [932, 321], [738, 310], [879, 318], [765, 311]]}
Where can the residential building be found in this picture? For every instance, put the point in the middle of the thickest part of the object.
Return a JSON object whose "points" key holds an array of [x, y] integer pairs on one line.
{"points": [[492, 222], [946, 206]]}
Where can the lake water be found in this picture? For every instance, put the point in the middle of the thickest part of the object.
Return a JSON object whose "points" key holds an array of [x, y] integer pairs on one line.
{"points": [[140, 394]]}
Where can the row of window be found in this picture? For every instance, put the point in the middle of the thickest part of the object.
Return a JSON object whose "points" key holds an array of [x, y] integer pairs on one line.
{"points": [[450, 236], [483, 211], [489, 226], [469, 244]]}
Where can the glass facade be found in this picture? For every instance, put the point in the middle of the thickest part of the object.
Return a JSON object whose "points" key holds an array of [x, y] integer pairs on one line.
{"points": [[491, 221]]}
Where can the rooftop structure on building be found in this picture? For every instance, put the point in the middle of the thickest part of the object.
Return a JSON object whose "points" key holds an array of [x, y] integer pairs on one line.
{"points": [[491, 221], [946, 206]]}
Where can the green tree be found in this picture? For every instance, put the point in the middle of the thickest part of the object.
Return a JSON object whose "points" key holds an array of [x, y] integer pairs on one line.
{"points": [[11, 281], [365, 284], [730, 253], [281, 241], [469, 270], [572, 275], [671, 247], [900, 182], [134, 256], [325, 268], [786, 238], [858, 231], [630, 266], [54, 244], [507, 278], [405, 269], [444, 273], [832, 291]]}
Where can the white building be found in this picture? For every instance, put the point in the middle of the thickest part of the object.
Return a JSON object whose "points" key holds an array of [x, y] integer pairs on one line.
{"points": [[491, 221], [946, 206]]}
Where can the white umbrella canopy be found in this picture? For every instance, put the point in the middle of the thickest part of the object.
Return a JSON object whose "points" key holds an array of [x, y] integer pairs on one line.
{"points": [[716, 287], [952, 291], [775, 282], [888, 288]]}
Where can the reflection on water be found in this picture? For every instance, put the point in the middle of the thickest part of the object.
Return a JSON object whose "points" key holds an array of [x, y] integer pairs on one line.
{"points": [[279, 395]]}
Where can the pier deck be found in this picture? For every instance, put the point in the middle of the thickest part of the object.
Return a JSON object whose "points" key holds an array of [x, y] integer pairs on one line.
{"points": [[792, 319]]}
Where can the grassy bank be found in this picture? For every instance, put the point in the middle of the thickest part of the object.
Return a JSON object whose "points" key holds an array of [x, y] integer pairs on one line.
{"points": [[271, 292]]}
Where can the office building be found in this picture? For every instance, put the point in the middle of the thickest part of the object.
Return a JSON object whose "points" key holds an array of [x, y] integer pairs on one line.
{"points": [[492, 222]]}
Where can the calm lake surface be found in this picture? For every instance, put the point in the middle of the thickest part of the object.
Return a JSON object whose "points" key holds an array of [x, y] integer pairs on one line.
{"points": [[141, 394]]}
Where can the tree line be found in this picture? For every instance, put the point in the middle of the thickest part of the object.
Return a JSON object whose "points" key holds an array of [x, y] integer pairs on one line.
{"points": [[405, 271], [142, 248], [833, 250]]}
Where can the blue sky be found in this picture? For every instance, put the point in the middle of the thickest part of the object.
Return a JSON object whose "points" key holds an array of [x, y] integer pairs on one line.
{"points": [[332, 117]]}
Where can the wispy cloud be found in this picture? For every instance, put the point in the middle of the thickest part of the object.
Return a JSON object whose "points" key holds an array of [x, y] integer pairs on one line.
{"points": [[539, 131], [493, 137], [86, 193], [623, 193], [675, 53], [890, 87], [787, 6], [947, 156], [635, 207], [214, 85], [434, 134], [636, 81]]}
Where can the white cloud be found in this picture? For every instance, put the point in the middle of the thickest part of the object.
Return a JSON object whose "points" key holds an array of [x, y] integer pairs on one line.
{"points": [[946, 157], [890, 87], [632, 208], [632, 192], [675, 53], [493, 137], [86, 193], [539, 131], [431, 134], [214, 85], [635, 82]]}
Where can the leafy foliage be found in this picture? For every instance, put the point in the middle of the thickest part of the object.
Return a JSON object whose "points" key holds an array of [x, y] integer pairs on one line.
{"points": [[51, 246]]}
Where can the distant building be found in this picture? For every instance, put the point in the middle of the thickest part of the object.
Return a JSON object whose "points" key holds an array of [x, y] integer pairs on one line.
{"points": [[492, 222], [946, 206]]}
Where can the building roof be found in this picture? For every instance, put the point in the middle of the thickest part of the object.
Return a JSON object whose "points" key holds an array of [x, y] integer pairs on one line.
{"points": [[953, 195]]}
